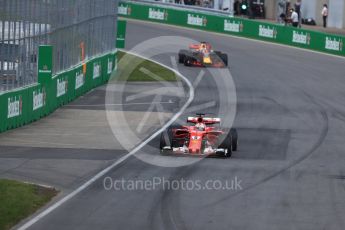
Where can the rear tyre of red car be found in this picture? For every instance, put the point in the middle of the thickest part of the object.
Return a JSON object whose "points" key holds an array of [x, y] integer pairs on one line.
{"points": [[234, 139]]}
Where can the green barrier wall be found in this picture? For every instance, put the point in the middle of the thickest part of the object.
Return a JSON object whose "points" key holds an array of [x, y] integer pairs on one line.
{"points": [[286, 35], [25, 105]]}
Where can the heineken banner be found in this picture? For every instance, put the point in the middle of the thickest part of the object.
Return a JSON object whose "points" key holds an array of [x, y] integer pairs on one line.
{"points": [[24, 105], [16, 105], [45, 60], [37, 104], [270, 32], [2, 112]]}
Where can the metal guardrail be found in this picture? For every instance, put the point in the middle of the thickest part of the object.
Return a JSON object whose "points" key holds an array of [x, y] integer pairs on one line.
{"points": [[77, 30]]}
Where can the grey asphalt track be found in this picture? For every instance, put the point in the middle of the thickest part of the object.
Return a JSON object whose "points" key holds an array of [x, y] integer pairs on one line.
{"points": [[291, 121], [66, 148]]}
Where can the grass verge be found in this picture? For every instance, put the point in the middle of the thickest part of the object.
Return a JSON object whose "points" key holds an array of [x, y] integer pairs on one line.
{"points": [[19, 200], [138, 74]]}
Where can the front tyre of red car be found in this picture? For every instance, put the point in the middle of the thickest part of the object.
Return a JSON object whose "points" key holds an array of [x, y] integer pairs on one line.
{"points": [[162, 142], [226, 145]]}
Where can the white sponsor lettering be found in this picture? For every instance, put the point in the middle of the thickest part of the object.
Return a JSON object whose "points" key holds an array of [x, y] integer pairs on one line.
{"points": [[44, 71], [96, 70], [156, 14], [61, 87], [196, 20], [267, 32], [79, 80], [38, 100], [13, 107], [300, 38], [123, 10], [334, 44], [110, 66], [232, 26]]}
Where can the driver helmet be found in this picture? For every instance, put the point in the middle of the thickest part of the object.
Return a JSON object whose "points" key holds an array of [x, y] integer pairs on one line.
{"points": [[200, 126], [203, 47]]}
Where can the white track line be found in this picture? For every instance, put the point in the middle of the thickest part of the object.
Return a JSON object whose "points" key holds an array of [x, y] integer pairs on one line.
{"points": [[122, 159]]}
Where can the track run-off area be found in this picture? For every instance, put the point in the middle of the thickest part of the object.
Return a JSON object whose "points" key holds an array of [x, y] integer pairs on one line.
{"points": [[289, 167]]}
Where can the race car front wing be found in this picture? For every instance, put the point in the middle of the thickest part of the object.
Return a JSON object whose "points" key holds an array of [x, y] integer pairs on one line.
{"points": [[207, 151]]}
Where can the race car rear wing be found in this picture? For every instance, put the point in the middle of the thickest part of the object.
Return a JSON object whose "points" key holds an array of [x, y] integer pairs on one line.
{"points": [[194, 46], [198, 46], [205, 120]]}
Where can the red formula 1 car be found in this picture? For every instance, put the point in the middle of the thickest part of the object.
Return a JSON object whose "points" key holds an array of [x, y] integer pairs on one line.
{"points": [[202, 138], [202, 55]]}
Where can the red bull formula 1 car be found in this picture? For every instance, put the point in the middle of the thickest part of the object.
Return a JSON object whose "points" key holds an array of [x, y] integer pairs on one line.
{"points": [[202, 55], [200, 139]]}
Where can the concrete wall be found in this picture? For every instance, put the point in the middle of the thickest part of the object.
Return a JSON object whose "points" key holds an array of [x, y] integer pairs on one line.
{"points": [[336, 13], [270, 9], [344, 17], [319, 6], [309, 9]]}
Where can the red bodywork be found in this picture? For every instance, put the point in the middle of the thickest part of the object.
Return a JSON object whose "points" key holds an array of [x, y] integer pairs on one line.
{"points": [[198, 141], [201, 47]]}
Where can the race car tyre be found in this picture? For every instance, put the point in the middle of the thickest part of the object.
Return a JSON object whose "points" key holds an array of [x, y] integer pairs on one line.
{"points": [[165, 136], [182, 56], [224, 58], [187, 61], [234, 139], [162, 142], [226, 144]]}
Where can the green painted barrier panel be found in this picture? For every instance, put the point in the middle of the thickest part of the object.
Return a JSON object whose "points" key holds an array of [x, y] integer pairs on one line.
{"points": [[45, 64], [79, 81], [2, 113], [307, 39], [60, 89], [16, 108], [37, 102], [108, 67], [96, 73], [25, 105], [121, 34]]}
